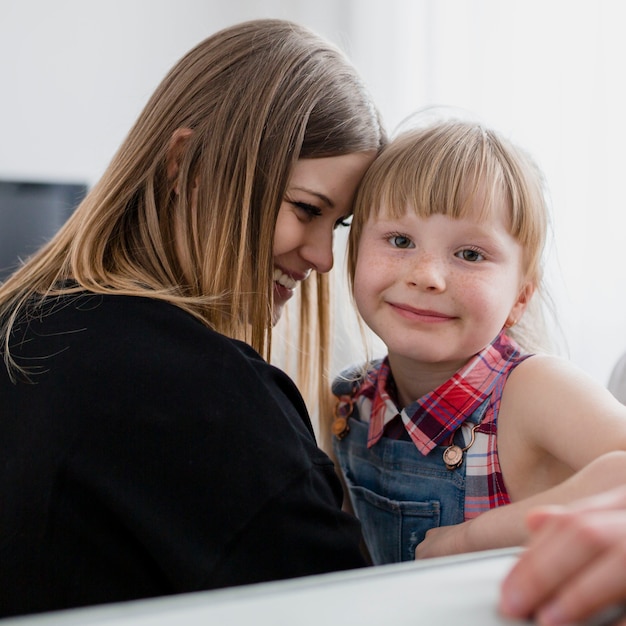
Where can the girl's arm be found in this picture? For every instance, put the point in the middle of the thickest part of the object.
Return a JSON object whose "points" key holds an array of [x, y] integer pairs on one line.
{"points": [[505, 526], [566, 416]]}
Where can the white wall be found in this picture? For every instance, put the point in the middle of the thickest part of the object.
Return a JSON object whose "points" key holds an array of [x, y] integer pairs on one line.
{"points": [[74, 74]]}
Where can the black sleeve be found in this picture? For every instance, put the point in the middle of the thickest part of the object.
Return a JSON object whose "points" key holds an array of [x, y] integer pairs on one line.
{"points": [[198, 469], [296, 534]]}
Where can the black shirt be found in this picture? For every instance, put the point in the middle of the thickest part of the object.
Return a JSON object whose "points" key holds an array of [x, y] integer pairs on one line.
{"points": [[150, 455]]}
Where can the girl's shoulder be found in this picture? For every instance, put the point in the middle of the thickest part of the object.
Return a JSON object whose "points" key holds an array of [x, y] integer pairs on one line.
{"points": [[549, 398], [553, 374]]}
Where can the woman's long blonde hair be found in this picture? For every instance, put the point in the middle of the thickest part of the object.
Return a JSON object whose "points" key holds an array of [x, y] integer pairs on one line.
{"points": [[256, 97]]}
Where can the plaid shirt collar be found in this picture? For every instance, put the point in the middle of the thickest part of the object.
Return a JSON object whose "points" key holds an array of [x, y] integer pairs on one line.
{"points": [[433, 418]]}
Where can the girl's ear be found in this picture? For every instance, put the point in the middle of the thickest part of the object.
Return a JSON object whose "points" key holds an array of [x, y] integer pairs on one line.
{"points": [[175, 151], [517, 310]]}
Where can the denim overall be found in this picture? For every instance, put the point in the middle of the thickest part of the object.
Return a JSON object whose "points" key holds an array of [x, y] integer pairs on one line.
{"points": [[420, 491]]}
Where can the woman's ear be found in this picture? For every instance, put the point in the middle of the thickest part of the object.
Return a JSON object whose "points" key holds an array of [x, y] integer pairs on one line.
{"points": [[175, 151], [520, 305]]}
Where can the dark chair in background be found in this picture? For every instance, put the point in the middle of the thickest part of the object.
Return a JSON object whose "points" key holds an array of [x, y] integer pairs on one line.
{"points": [[30, 214]]}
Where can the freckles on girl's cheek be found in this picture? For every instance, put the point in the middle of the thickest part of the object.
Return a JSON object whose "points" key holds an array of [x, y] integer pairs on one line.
{"points": [[472, 291]]}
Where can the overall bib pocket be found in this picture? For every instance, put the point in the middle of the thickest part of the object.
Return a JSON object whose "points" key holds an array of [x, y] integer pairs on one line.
{"points": [[404, 524]]}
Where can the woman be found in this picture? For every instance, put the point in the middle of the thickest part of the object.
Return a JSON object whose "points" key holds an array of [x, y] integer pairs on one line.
{"points": [[147, 448]]}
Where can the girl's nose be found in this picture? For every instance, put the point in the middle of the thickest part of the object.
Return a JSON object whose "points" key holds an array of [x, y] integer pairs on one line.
{"points": [[428, 273]]}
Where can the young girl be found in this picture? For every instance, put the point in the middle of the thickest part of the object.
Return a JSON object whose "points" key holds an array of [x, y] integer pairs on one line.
{"points": [[459, 418]]}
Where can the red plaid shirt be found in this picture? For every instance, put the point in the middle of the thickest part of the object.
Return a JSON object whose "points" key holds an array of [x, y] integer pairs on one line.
{"points": [[433, 419]]}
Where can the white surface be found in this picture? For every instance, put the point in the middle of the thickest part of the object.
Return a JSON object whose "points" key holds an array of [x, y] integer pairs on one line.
{"points": [[456, 590], [452, 591]]}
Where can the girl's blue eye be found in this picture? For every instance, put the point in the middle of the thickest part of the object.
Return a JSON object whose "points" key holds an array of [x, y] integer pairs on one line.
{"points": [[470, 255], [400, 241]]}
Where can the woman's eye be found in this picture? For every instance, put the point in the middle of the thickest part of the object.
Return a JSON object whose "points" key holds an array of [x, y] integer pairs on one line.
{"points": [[309, 209], [400, 241], [470, 255], [343, 222]]}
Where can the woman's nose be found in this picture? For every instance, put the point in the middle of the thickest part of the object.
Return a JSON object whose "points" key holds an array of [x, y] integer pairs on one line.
{"points": [[317, 250]]}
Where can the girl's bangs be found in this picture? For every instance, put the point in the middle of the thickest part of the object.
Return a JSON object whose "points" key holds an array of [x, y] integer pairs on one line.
{"points": [[454, 189]]}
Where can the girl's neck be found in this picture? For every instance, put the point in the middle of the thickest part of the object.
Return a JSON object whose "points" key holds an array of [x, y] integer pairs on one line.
{"points": [[415, 379]]}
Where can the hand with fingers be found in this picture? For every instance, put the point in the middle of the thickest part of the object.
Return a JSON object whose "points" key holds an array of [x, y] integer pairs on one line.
{"points": [[575, 564]]}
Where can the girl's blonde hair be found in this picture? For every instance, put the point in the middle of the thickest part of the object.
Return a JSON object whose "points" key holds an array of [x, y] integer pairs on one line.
{"points": [[256, 97], [444, 168]]}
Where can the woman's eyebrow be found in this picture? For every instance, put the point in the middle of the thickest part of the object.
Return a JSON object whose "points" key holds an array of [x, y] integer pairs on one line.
{"points": [[325, 199]]}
